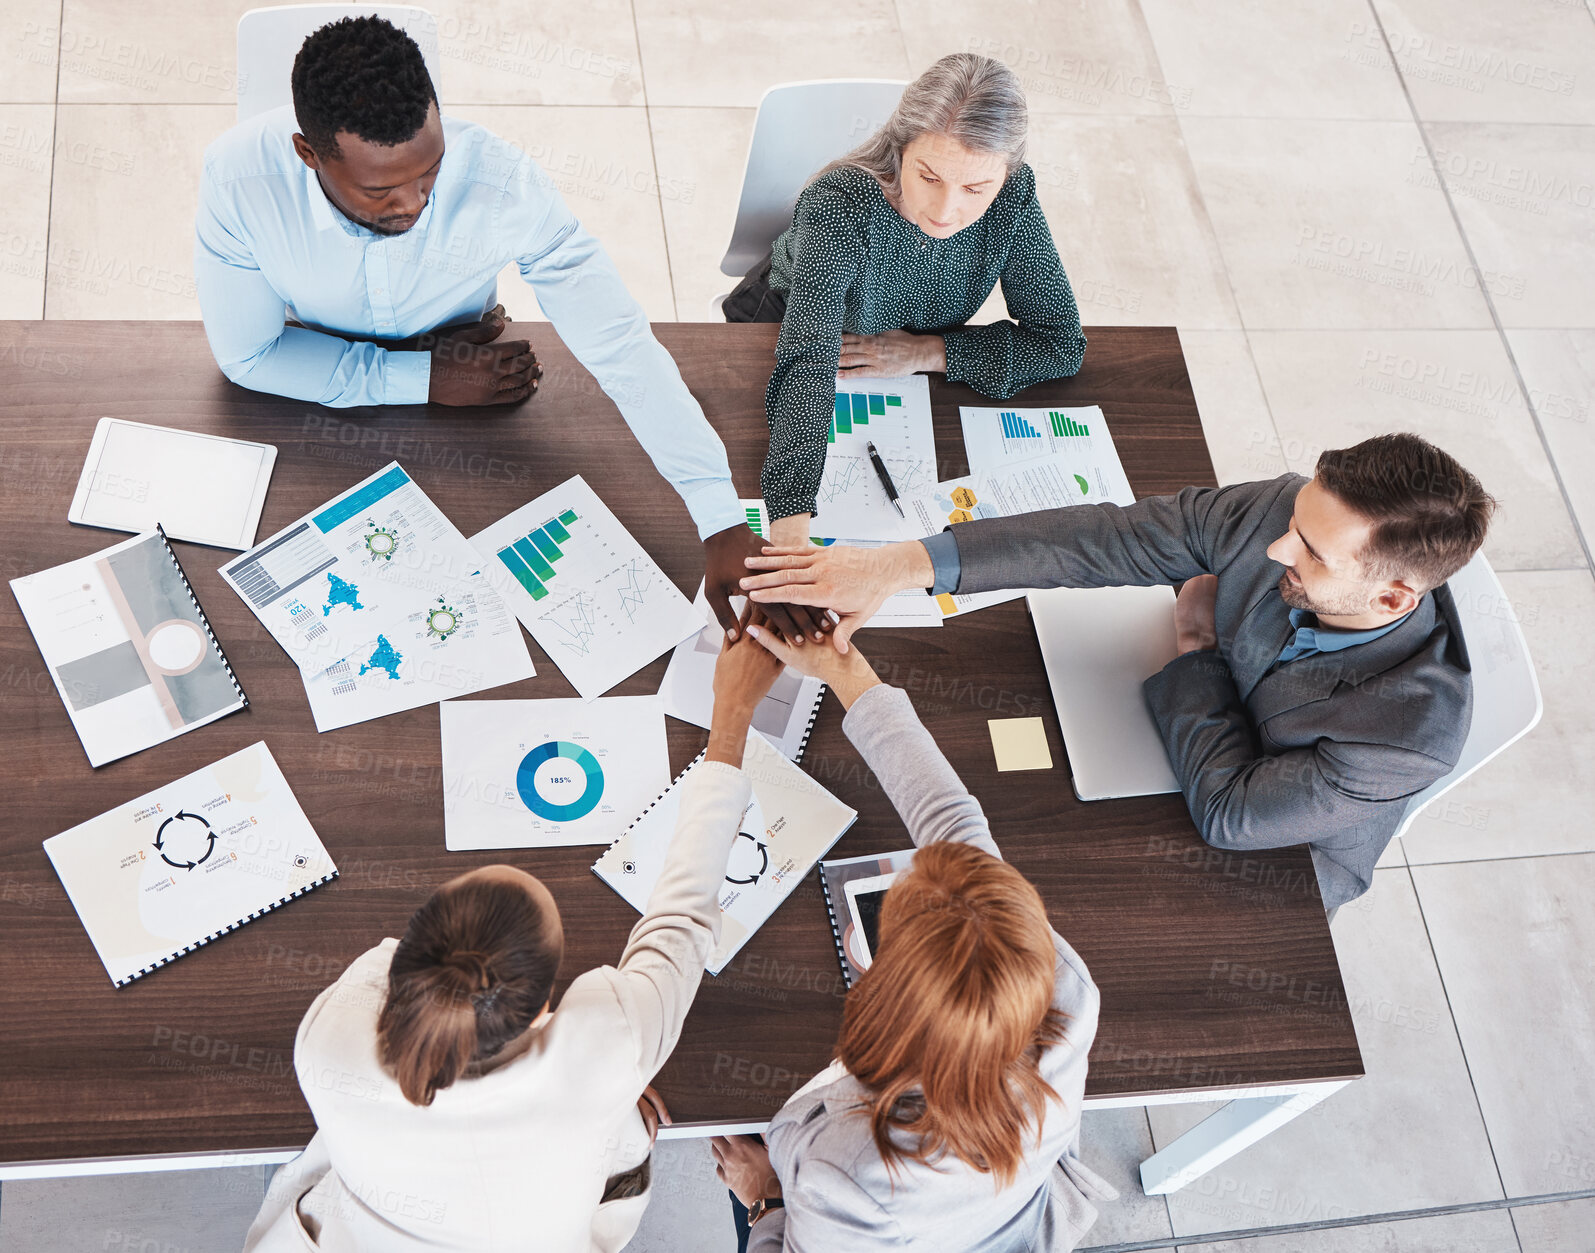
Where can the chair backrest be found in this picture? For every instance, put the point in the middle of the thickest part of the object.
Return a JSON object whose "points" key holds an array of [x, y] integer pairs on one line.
{"points": [[799, 128], [1506, 693], [269, 40]]}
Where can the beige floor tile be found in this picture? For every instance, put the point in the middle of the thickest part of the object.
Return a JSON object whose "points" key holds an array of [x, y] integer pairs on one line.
{"points": [[1258, 58], [106, 262], [1229, 397], [728, 52], [1516, 943], [1485, 61], [1114, 1143], [1330, 389], [173, 1211], [601, 159], [1532, 798], [1071, 56], [1488, 1231], [503, 52], [153, 52], [1330, 224], [1559, 1227], [690, 1208], [701, 155], [29, 48], [1407, 1136], [1526, 199], [1559, 369], [26, 151], [1127, 216]]}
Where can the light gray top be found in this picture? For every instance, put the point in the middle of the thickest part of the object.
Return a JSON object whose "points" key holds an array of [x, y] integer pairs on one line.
{"points": [[838, 1194]]}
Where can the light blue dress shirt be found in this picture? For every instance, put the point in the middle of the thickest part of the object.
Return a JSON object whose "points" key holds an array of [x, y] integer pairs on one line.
{"points": [[270, 245], [1311, 639]]}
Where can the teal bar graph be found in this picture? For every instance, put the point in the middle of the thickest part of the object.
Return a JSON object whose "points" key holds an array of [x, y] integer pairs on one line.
{"points": [[531, 558]]}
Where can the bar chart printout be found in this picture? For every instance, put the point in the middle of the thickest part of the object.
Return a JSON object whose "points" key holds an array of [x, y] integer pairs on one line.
{"points": [[894, 415], [531, 558], [584, 587]]}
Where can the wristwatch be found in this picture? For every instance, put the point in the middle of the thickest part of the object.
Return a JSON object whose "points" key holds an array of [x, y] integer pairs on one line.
{"points": [[762, 1206]]}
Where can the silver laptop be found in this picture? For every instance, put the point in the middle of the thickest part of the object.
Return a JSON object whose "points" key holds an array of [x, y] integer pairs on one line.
{"points": [[1100, 644]]}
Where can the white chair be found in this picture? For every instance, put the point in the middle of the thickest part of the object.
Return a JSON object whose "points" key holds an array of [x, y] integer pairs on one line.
{"points": [[269, 40], [1506, 692], [800, 127]]}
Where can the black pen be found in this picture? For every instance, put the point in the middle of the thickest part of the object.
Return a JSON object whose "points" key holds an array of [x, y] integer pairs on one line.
{"points": [[886, 479]]}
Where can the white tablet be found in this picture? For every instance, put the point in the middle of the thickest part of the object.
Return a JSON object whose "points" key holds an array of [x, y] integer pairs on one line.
{"points": [[864, 900], [206, 489]]}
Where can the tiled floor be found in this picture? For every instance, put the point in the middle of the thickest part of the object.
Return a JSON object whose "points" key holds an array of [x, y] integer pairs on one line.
{"points": [[1363, 215]]}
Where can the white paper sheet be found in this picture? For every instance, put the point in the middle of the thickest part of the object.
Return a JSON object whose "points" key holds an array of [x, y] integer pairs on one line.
{"points": [[381, 603], [542, 773], [587, 591], [1078, 438], [894, 415]]}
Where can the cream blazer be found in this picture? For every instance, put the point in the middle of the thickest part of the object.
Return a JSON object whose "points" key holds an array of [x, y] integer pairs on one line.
{"points": [[516, 1158]]}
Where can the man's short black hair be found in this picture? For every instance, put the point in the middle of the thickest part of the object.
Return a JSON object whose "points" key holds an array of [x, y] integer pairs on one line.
{"points": [[362, 75]]}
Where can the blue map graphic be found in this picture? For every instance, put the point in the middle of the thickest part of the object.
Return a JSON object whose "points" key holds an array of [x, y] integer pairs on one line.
{"points": [[384, 657], [340, 593]]}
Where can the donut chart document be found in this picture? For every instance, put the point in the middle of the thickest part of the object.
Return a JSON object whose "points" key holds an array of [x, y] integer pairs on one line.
{"points": [[546, 773]]}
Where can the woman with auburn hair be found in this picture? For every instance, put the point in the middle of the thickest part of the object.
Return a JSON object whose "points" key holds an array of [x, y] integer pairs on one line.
{"points": [[456, 1108], [893, 248], [950, 1119]]}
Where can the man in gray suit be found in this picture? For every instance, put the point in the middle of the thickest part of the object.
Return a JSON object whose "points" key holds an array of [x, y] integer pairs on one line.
{"points": [[1322, 679]]}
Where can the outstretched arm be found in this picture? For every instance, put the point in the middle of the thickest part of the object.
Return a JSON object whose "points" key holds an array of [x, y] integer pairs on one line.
{"points": [[660, 970], [923, 787]]}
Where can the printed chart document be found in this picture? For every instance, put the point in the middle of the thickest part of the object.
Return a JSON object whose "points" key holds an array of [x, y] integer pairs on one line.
{"points": [[1079, 439], [894, 415], [1021, 486], [902, 609], [128, 646], [587, 591], [541, 773], [173, 869], [785, 715], [790, 823], [206, 489], [381, 603]]}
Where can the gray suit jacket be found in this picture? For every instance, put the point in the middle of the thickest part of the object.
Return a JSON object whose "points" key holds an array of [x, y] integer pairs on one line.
{"points": [[1324, 751], [839, 1196]]}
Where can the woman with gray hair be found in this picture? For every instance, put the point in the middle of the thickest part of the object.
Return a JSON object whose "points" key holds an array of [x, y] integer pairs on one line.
{"points": [[892, 249]]}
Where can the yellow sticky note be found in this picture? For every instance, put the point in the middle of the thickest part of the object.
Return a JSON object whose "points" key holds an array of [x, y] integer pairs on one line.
{"points": [[1020, 743]]}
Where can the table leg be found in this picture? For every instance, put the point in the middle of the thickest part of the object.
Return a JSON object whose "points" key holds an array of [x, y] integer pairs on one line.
{"points": [[1224, 1133]]}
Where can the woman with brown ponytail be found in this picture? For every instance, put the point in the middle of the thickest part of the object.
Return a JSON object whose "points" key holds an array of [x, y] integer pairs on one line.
{"points": [[950, 1121], [456, 1107]]}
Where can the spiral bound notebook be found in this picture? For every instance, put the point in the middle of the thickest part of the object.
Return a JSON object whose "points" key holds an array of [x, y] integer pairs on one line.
{"points": [[170, 871], [128, 647], [789, 824], [834, 878]]}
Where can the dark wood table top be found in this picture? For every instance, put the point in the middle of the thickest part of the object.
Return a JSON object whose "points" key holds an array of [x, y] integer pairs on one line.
{"points": [[1216, 969]]}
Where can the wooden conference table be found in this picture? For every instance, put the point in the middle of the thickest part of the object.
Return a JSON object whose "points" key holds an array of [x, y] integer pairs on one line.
{"points": [[1217, 972]]}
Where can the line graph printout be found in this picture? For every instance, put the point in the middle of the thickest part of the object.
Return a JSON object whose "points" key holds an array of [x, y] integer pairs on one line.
{"points": [[541, 773], [588, 592], [894, 415]]}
